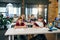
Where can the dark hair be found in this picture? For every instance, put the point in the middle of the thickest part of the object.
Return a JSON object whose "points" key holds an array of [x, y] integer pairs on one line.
{"points": [[40, 17], [32, 15]]}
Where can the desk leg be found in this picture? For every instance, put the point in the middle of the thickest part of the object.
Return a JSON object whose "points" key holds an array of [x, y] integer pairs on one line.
{"points": [[12, 37], [9, 37], [56, 36]]}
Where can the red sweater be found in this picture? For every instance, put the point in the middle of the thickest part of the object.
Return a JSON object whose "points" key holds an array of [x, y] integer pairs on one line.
{"points": [[17, 24]]}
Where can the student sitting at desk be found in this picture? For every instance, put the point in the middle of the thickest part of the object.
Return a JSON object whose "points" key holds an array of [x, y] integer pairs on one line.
{"points": [[32, 18], [23, 17], [20, 24], [39, 24]]}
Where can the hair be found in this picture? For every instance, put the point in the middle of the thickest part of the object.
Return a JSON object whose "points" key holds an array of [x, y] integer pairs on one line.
{"points": [[32, 14], [20, 18], [40, 16]]}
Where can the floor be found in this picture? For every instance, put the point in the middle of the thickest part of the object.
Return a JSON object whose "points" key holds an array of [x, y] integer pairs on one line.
{"points": [[2, 36]]}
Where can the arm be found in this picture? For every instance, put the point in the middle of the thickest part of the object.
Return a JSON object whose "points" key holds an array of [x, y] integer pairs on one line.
{"points": [[35, 25], [20, 26]]}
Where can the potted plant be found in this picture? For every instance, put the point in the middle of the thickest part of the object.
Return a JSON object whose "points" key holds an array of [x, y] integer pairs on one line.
{"points": [[4, 21]]}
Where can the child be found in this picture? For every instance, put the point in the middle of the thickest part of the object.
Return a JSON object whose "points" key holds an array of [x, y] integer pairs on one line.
{"points": [[20, 24], [33, 18], [39, 24], [23, 17]]}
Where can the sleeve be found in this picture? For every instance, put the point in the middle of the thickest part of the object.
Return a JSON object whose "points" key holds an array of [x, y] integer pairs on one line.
{"points": [[36, 24], [22, 24], [17, 24], [44, 23]]}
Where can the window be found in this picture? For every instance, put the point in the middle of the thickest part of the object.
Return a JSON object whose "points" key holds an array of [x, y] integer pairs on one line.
{"points": [[37, 10], [3, 11], [10, 11], [17, 11]]}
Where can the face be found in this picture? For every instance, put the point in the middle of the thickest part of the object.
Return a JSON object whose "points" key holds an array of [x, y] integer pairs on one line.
{"points": [[32, 16], [40, 19], [23, 16], [29, 16], [20, 20]]}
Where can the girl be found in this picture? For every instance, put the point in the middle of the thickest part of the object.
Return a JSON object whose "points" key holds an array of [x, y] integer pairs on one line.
{"points": [[20, 24]]}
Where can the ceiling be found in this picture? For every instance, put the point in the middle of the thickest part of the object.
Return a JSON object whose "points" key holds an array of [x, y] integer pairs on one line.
{"points": [[28, 2], [36, 1], [11, 1]]}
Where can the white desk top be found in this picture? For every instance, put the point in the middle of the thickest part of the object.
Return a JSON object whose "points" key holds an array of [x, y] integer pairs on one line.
{"points": [[24, 31], [13, 23]]}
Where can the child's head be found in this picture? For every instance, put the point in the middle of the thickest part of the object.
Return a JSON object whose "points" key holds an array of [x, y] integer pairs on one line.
{"points": [[40, 18], [20, 19], [32, 16], [29, 16]]}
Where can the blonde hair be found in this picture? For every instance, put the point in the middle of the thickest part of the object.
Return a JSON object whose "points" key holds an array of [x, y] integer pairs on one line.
{"points": [[19, 18]]}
